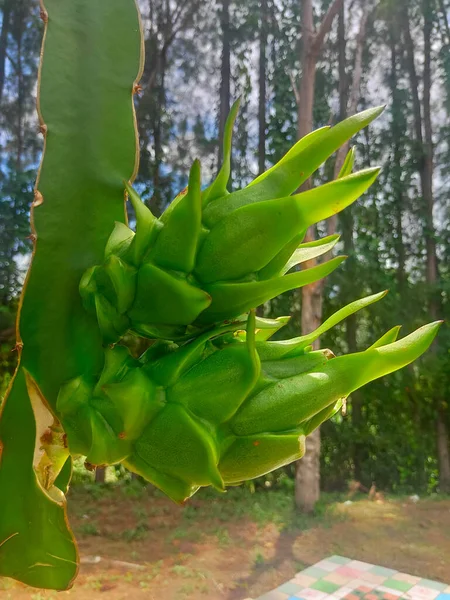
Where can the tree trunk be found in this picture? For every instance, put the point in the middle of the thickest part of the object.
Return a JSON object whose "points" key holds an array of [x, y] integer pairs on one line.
{"points": [[262, 89], [348, 107], [100, 473], [432, 264], [445, 19], [20, 88], [348, 104], [425, 158], [307, 479], [225, 74], [6, 16], [397, 183], [443, 444], [157, 200]]}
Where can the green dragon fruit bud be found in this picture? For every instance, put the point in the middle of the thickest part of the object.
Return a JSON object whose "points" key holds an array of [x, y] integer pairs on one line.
{"points": [[213, 256], [225, 407]]}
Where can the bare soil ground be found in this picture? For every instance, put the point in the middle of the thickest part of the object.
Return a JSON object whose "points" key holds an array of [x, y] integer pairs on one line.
{"points": [[235, 546]]}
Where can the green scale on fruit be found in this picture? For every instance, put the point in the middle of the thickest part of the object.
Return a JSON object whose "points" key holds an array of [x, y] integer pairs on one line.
{"points": [[212, 255], [224, 408]]}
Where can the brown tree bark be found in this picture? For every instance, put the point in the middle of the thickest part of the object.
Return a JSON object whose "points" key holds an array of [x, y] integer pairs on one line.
{"points": [[397, 183], [348, 107], [225, 74], [163, 23], [445, 20], [422, 123], [157, 201], [100, 473], [307, 488], [262, 88], [19, 31], [6, 16], [348, 100]]}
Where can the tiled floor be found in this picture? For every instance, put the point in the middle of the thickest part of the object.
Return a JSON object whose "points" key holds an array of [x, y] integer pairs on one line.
{"points": [[339, 578]]}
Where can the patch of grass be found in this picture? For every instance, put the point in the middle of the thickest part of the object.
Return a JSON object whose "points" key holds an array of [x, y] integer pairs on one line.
{"points": [[155, 569], [259, 559], [89, 528], [223, 537], [190, 512], [183, 571], [6, 584], [186, 589], [94, 582], [137, 533], [157, 511], [140, 512], [184, 533]]}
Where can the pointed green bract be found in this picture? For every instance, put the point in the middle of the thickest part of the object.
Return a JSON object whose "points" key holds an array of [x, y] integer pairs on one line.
{"points": [[309, 251], [349, 161], [277, 170], [323, 387], [240, 242], [294, 170], [218, 188], [233, 299], [176, 245], [285, 348], [389, 337]]}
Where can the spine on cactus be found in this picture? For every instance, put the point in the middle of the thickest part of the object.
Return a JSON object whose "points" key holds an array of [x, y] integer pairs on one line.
{"points": [[92, 59]]}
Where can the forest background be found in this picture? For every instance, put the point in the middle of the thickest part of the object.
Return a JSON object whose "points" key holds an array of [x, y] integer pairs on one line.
{"points": [[295, 64]]}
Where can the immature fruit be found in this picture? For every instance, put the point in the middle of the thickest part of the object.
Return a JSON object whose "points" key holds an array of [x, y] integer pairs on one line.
{"points": [[212, 256], [226, 407]]}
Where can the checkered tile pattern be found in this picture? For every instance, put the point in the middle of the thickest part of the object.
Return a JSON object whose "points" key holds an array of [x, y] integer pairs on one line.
{"points": [[339, 578]]}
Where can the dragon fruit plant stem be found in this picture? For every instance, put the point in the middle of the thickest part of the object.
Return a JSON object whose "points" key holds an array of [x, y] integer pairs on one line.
{"points": [[213, 401], [92, 56]]}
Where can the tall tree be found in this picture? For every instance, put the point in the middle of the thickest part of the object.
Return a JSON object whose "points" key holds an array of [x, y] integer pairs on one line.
{"points": [[225, 72], [348, 104], [307, 489], [262, 76], [6, 18], [164, 23], [425, 148]]}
